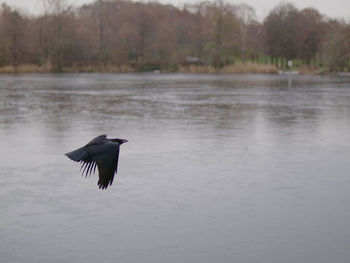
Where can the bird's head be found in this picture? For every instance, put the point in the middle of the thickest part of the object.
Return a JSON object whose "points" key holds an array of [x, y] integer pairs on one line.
{"points": [[120, 141]]}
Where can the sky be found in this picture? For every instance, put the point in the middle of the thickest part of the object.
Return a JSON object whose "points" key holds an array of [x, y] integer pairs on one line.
{"points": [[331, 8]]}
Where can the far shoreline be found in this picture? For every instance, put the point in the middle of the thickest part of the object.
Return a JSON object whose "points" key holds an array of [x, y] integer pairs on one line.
{"points": [[238, 68]]}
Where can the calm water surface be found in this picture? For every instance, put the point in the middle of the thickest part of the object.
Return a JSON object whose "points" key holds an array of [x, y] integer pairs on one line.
{"points": [[244, 168]]}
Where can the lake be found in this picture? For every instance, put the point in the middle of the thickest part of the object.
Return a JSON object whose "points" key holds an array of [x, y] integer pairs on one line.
{"points": [[218, 168]]}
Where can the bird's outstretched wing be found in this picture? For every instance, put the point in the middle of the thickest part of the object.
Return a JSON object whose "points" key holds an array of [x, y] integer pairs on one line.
{"points": [[97, 140], [107, 163], [78, 155], [82, 155]]}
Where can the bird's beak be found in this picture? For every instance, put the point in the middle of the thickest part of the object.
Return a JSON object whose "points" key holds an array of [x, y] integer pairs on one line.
{"points": [[124, 141]]}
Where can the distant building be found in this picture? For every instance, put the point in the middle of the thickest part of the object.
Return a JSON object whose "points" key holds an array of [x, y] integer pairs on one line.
{"points": [[193, 60]]}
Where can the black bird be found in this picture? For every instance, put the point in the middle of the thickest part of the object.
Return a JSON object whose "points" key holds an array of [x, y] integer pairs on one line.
{"points": [[102, 152]]}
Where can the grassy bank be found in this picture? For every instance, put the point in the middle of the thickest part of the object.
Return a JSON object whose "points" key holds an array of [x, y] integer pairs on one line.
{"points": [[74, 69], [25, 69], [231, 69], [108, 68], [237, 68]]}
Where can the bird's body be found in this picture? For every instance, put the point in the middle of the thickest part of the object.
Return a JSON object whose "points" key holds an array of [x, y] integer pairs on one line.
{"points": [[100, 152]]}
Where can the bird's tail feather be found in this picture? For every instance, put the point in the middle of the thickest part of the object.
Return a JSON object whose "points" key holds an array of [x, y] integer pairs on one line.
{"points": [[77, 155]]}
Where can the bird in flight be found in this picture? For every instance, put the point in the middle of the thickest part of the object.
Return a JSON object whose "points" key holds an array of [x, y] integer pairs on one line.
{"points": [[100, 152]]}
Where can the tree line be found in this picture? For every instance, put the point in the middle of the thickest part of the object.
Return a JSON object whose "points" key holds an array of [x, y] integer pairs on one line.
{"points": [[158, 36]]}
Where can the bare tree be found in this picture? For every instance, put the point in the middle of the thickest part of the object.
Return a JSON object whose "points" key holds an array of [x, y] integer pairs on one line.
{"points": [[13, 27], [281, 32], [56, 11], [310, 33], [247, 17], [338, 48], [199, 10]]}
